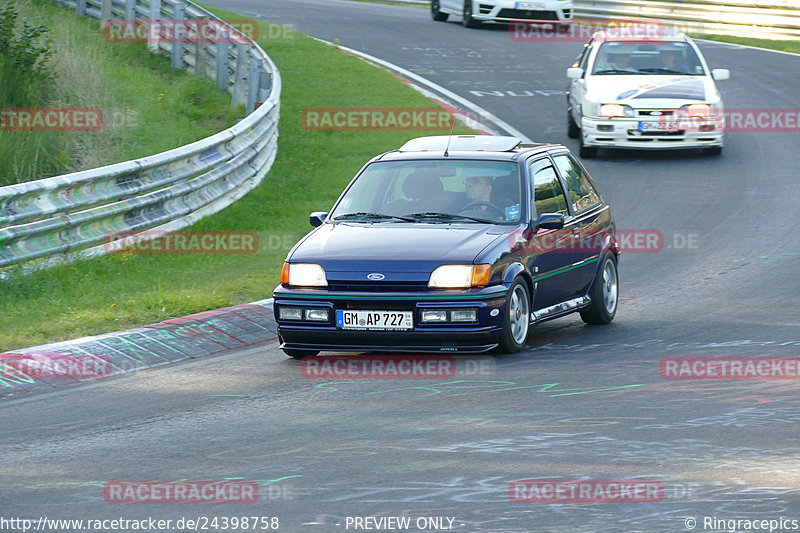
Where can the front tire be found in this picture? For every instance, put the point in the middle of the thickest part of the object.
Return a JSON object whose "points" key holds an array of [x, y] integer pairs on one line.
{"points": [[713, 150], [573, 130], [437, 15], [517, 318], [469, 21], [586, 152], [604, 293], [299, 354]]}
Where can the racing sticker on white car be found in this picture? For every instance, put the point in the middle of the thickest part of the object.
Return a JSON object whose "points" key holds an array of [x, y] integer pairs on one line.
{"points": [[689, 88]]}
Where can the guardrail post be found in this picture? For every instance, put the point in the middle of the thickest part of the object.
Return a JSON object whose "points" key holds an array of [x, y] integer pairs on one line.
{"points": [[252, 83], [80, 8], [239, 76], [155, 25], [130, 10], [264, 86], [105, 13], [200, 58], [177, 41], [222, 66]]}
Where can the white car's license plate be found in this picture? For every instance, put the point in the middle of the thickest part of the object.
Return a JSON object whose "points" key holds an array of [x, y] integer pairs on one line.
{"points": [[658, 126], [529, 5], [375, 320]]}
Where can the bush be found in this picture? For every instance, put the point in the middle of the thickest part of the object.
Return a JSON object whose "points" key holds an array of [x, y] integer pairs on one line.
{"points": [[23, 59]]}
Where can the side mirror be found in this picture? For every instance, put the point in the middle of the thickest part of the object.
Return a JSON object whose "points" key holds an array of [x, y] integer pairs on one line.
{"points": [[574, 73], [317, 218], [549, 221], [720, 74]]}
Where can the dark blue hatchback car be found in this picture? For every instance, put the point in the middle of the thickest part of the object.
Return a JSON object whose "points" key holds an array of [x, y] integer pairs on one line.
{"points": [[451, 244]]}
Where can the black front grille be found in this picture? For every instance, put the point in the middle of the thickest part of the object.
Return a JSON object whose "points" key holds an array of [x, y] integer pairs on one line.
{"points": [[484, 9], [656, 112], [372, 286], [527, 14]]}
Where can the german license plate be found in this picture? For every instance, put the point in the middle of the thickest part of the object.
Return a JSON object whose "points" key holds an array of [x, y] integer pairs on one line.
{"points": [[530, 5], [658, 126], [375, 320]]}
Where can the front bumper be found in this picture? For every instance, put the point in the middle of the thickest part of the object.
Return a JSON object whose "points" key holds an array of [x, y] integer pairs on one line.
{"points": [[549, 11], [480, 336], [624, 133]]}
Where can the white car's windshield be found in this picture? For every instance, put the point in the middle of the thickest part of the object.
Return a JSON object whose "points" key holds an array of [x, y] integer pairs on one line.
{"points": [[433, 191], [641, 58]]}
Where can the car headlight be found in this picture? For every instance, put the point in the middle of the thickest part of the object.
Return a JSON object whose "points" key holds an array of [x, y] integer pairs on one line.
{"points": [[460, 276], [303, 275], [616, 110], [696, 110]]}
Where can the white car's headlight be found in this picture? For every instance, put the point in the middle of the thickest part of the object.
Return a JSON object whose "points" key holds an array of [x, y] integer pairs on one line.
{"points": [[616, 110], [696, 110], [459, 276], [303, 275]]}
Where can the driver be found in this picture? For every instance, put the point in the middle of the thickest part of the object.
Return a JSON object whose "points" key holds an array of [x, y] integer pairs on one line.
{"points": [[479, 189]]}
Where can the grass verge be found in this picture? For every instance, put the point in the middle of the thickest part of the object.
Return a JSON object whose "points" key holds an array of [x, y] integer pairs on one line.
{"points": [[118, 291], [147, 106], [771, 44]]}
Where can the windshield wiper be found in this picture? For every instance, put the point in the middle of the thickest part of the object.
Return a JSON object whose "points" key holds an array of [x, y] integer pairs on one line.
{"points": [[433, 214], [615, 71], [365, 214], [664, 70]]}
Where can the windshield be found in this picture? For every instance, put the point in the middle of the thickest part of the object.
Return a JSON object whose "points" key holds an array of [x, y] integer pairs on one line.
{"points": [[433, 191], [620, 58]]}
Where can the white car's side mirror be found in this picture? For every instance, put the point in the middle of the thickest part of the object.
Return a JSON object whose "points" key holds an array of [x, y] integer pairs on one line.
{"points": [[574, 73], [720, 74]]}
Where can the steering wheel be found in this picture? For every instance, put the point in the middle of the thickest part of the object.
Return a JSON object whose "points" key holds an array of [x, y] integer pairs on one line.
{"points": [[490, 205]]}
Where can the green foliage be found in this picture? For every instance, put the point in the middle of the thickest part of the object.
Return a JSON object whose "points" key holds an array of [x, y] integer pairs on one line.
{"points": [[22, 49]]}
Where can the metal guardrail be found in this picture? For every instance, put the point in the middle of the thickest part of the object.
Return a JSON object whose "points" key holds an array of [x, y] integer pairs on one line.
{"points": [[72, 215], [773, 19]]}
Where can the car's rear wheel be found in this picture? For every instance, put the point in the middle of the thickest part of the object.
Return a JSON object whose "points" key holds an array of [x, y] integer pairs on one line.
{"points": [[436, 14], [469, 21], [299, 354], [604, 293], [573, 130], [516, 321]]}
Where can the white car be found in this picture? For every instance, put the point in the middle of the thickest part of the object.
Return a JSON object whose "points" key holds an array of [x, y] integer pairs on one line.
{"points": [[473, 12], [644, 92]]}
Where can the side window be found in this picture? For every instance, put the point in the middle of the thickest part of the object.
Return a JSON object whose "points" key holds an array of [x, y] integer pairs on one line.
{"points": [[581, 192], [548, 196]]}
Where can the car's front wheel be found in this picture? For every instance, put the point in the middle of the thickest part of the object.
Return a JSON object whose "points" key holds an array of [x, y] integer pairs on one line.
{"points": [[436, 14], [573, 130], [299, 354], [587, 152], [604, 293], [713, 150], [469, 21], [516, 321]]}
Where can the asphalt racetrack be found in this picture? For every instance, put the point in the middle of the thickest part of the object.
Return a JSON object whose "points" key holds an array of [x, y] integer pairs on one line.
{"points": [[579, 403]]}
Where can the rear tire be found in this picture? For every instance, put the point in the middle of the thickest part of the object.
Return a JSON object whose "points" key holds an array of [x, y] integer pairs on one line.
{"points": [[517, 318], [469, 21], [604, 293], [437, 15], [299, 354]]}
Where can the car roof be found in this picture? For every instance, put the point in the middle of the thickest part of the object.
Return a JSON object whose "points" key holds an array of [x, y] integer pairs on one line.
{"points": [[656, 33], [466, 146]]}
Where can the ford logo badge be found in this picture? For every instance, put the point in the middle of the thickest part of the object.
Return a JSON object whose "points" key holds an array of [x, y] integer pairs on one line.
{"points": [[375, 276]]}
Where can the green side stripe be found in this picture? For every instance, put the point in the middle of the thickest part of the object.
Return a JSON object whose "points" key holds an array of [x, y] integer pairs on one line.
{"points": [[566, 269]]}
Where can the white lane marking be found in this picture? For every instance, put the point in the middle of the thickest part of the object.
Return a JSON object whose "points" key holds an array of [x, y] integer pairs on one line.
{"points": [[476, 109]]}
